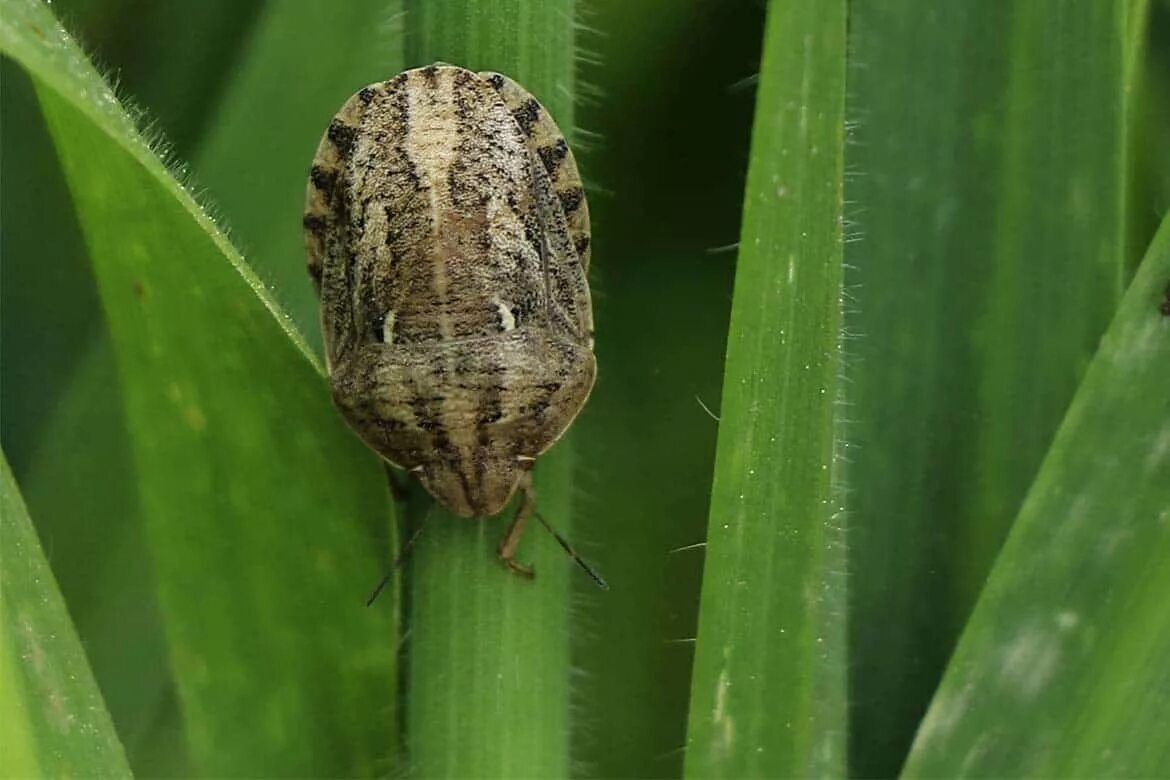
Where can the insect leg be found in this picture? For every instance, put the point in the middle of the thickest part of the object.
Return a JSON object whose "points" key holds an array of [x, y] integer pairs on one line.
{"points": [[399, 492], [511, 537], [382, 583], [568, 548]]}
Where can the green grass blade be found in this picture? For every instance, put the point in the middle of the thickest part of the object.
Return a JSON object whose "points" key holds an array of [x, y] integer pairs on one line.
{"points": [[55, 722], [489, 673], [1062, 670], [111, 596], [255, 159], [989, 196], [1055, 203], [60, 393], [768, 695], [260, 506]]}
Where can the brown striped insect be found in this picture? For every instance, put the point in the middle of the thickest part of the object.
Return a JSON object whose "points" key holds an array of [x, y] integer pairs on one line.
{"points": [[448, 240]]}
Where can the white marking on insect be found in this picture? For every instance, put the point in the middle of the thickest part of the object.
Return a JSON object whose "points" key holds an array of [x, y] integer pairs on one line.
{"points": [[507, 319]]}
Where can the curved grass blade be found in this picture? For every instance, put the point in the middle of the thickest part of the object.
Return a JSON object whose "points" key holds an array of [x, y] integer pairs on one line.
{"points": [[1062, 669], [990, 204], [55, 722], [488, 691], [260, 506], [60, 394], [768, 692]]}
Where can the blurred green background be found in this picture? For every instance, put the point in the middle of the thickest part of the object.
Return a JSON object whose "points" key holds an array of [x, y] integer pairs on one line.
{"points": [[963, 134]]}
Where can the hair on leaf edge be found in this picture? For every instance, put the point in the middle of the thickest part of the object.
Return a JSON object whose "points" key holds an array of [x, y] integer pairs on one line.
{"points": [[128, 126]]}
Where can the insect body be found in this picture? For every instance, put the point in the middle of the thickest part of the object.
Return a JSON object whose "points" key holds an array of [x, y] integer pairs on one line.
{"points": [[448, 239]]}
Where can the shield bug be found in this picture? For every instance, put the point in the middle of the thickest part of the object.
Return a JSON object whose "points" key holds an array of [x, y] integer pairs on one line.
{"points": [[448, 240]]}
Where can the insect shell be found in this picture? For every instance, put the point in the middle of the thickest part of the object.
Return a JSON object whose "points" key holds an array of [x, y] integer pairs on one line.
{"points": [[448, 240]]}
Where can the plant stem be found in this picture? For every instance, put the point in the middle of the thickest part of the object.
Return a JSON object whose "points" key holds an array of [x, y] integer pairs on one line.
{"points": [[488, 684]]}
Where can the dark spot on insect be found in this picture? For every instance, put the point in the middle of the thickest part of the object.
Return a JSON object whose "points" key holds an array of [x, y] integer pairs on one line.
{"points": [[1164, 306], [393, 236], [571, 199], [324, 179], [517, 315], [462, 77], [582, 246], [366, 94], [489, 415], [552, 156], [314, 223], [526, 115], [492, 411], [496, 80], [538, 408], [411, 172], [425, 419], [532, 232], [342, 136], [463, 190], [464, 104], [431, 74]]}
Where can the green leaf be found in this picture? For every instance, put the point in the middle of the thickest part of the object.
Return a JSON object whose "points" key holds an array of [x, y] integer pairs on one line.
{"points": [[488, 690], [111, 596], [1062, 670], [989, 198], [768, 692], [60, 397], [55, 722], [260, 507]]}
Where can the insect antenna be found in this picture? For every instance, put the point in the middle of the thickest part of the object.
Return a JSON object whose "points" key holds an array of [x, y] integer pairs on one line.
{"points": [[593, 575], [382, 583]]}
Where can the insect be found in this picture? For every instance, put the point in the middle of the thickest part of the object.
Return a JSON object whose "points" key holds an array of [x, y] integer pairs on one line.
{"points": [[447, 236]]}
